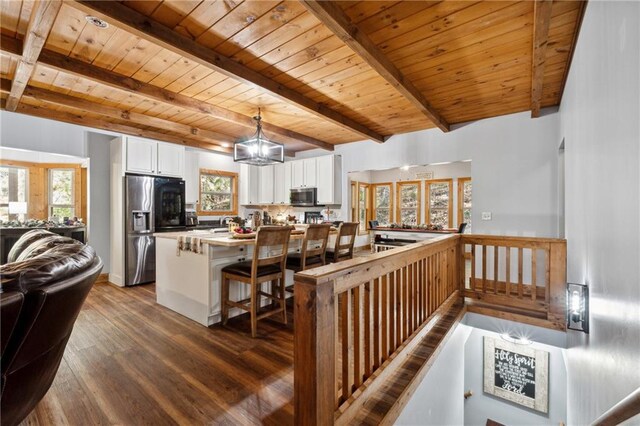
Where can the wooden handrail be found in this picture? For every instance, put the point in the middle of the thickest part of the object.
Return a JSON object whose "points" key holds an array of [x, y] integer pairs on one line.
{"points": [[340, 358], [624, 410], [357, 320]]}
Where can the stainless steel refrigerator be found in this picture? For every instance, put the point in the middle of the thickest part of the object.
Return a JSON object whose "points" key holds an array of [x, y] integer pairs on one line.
{"points": [[140, 249]]}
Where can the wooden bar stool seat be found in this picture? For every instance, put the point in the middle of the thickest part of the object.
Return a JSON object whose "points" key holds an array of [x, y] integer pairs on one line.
{"points": [[294, 261], [244, 269], [268, 265], [346, 239]]}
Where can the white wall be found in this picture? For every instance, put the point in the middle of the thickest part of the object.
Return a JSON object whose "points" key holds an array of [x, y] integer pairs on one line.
{"points": [[38, 134], [514, 168], [99, 207], [438, 399], [481, 406], [195, 160], [48, 136], [600, 116]]}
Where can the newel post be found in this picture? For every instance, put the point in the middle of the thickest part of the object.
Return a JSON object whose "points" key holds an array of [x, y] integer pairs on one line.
{"points": [[314, 353], [558, 283]]}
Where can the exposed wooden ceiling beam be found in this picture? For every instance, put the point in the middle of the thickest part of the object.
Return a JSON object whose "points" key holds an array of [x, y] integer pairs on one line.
{"points": [[143, 26], [206, 136], [82, 119], [541, 21], [574, 42], [121, 82], [334, 18], [42, 18]]}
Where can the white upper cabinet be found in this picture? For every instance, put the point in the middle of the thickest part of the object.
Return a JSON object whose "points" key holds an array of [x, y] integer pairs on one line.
{"points": [[249, 185], [297, 174], [154, 158], [266, 185], [272, 184], [142, 155], [310, 171], [329, 177], [170, 160], [303, 173], [282, 183]]}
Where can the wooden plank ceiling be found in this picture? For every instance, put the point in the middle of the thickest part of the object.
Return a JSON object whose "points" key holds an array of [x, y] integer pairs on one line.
{"points": [[195, 72]]}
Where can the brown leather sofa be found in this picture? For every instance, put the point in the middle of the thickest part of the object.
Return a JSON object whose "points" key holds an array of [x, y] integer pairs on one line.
{"points": [[42, 289]]}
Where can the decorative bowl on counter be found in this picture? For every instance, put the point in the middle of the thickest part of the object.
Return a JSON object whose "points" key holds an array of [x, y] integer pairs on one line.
{"points": [[237, 236]]}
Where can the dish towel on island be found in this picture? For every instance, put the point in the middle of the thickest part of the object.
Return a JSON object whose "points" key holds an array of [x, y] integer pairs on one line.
{"points": [[192, 244]]}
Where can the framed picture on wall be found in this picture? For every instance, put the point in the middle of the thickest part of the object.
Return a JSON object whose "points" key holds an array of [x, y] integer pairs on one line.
{"points": [[517, 373]]}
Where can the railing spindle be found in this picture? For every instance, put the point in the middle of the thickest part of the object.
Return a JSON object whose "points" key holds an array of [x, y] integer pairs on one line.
{"points": [[472, 280], [496, 254], [345, 300], [520, 262], [368, 352], [376, 319], [508, 273], [357, 352], [385, 319], [484, 269], [534, 288]]}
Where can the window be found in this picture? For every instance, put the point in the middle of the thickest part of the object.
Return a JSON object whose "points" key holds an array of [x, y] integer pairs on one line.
{"points": [[13, 187], [439, 202], [382, 203], [464, 201], [408, 196], [61, 192], [218, 192], [363, 207]]}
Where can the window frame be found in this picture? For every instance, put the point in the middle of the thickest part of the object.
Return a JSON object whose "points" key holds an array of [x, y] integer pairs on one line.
{"points": [[374, 206], [26, 188], [363, 228], [428, 184], [234, 193], [461, 182], [72, 205], [399, 186]]}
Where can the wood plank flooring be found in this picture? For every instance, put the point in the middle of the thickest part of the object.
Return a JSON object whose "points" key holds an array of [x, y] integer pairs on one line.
{"points": [[130, 361]]}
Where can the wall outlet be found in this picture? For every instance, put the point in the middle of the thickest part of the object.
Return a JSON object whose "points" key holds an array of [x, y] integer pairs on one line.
{"points": [[486, 215]]}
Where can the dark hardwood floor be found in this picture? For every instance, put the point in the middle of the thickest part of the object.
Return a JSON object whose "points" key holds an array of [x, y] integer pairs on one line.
{"points": [[130, 361]]}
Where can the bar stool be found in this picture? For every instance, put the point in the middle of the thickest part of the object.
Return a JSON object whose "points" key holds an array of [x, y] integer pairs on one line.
{"points": [[257, 271], [316, 236], [344, 251]]}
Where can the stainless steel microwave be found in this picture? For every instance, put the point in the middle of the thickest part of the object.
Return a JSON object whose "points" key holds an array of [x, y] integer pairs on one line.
{"points": [[303, 197]]}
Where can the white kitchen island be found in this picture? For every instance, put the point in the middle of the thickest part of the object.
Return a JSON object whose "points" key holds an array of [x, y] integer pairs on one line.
{"points": [[190, 283]]}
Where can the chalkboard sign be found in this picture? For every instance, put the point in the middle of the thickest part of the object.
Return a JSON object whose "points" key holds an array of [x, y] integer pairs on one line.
{"points": [[517, 373]]}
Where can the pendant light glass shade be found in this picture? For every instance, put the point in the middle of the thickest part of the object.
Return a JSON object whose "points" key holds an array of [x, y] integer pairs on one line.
{"points": [[258, 150]]}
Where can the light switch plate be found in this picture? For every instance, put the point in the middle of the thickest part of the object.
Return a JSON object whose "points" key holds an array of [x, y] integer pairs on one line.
{"points": [[486, 215]]}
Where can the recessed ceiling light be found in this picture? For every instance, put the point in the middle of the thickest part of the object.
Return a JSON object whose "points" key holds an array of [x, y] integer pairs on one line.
{"points": [[518, 340], [97, 21]]}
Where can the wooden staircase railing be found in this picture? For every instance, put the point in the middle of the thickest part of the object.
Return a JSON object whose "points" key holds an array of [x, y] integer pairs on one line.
{"points": [[357, 321], [624, 410], [517, 278]]}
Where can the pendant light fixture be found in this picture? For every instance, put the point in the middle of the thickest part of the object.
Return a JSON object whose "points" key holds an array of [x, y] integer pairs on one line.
{"points": [[258, 150]]}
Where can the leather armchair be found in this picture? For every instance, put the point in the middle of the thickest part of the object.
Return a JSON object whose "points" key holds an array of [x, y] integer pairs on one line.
{"points": [[42, 294]]}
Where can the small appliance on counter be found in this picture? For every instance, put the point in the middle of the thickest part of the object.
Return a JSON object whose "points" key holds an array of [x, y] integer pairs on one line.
{"points": [[191, 215], [313, 217]]}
